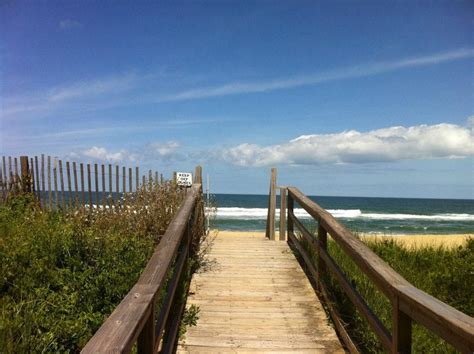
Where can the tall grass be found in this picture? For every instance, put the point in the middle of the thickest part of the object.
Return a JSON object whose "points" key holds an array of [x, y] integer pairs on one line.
{"points": [[447, 274], [62, 273]]}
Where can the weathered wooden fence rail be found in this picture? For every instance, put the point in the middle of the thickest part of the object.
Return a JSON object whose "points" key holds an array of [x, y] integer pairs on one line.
{"points": [[408, 302], [136, 319], [63, 184]]}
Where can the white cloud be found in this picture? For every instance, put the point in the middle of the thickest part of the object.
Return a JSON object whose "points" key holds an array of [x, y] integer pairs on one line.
{"points": [[80, 95], [382, 145], [313, 79], [69, 24], [157, 150], [100, 153], [162, 149], [93, 88]]}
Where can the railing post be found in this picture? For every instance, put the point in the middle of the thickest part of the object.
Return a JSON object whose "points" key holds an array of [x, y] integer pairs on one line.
{"points": [[282, 213], [290, 226], [25, 174], [322, 245], [270, 233], [146, 338], [401, 324], [198, 175]]}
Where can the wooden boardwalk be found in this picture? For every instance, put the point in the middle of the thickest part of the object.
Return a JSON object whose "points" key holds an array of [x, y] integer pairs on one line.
{"points": [[256, 298]]}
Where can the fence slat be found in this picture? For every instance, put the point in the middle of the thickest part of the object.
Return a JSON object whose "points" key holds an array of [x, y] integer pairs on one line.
{"points": [[38, 190], [15, 177], [5, 176], [24, 169], [43, 182], [32, 174], [150, 180], [117, 181], [76, 191], [96, 180], [69, 185], [89, 185], [110, 185], [55, 181], [61, 180], [104, 192], [50, 192], [124, 179], [130, 178], [1, 182], [137, 178], [83, 193]]}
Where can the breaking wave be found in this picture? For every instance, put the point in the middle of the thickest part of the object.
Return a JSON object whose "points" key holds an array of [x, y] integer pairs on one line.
{"points": [[261, 213]]}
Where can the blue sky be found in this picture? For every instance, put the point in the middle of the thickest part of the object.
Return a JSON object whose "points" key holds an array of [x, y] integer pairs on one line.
{"points": [[365, 98]]}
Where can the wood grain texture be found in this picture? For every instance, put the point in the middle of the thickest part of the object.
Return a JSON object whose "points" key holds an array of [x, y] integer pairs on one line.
{"points": [[256, 298]]}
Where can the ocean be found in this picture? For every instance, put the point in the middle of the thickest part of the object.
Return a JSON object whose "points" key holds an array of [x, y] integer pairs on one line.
{"points": [[366, 215]]}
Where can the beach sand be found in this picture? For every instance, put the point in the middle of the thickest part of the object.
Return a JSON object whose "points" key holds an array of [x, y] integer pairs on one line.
{"points": [[411, 241]]}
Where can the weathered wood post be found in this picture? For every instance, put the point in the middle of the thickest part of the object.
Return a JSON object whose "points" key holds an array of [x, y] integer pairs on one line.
{"points": [[290, 225], [322, 244], [401, 328], [146, 338], [25, 174], [270, 232], [282, 213], [89, 185], [137, 178], [198, 175]]}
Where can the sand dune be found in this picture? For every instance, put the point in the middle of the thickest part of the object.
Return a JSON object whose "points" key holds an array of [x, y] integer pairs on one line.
{"points": [[445, 240]]}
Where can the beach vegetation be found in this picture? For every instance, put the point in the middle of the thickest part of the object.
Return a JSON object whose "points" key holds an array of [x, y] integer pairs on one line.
{"points": [[63, 272], [445, 273]]}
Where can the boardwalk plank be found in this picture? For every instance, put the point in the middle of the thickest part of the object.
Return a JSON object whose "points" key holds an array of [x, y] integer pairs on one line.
{"points": [[256, 298]]}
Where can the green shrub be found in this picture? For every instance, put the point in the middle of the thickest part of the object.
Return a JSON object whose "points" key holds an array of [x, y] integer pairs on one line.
{"points": [[447, 274], [63, 273]]}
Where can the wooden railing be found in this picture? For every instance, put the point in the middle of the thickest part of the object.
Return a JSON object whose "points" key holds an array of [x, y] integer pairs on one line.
{"points": [[408, 303], [133, 320]]}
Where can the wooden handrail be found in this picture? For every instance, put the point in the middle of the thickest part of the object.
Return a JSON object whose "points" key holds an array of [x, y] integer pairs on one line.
{"points": [[408, 302], [133, 318]]}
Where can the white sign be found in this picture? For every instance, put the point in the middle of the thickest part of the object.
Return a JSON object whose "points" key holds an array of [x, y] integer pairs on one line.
{"points": [[184, 179]]}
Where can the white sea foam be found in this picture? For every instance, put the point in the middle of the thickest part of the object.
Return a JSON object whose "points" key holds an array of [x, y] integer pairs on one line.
{"points": [[261, 213]]}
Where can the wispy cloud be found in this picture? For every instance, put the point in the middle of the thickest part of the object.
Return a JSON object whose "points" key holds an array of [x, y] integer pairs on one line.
{"points": [[370, 69], [89, 91], [127, 89], [69, 24], [420, 142], [84, 89]]}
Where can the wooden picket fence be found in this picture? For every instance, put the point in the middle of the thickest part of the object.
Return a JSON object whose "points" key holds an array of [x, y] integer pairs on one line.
{"points": [[65, 184]]}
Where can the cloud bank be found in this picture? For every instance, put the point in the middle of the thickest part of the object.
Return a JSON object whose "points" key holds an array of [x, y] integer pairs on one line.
{"points": [[422, 142], [153, 151]]}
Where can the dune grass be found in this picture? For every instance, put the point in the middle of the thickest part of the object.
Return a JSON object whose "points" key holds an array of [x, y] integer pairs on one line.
{"points": [[64, 272], [445, 273]]}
